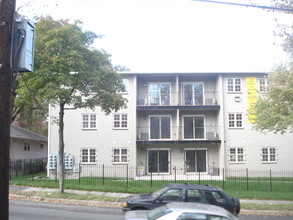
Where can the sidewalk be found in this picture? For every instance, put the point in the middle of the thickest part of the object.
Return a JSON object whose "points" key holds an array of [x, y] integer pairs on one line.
{"points": [[80, 192], [22, 192]]}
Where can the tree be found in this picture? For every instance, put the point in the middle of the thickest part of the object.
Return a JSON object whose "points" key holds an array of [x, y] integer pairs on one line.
{"points": [[29, 110], [274, 110], [286, 30], [70, 74]]}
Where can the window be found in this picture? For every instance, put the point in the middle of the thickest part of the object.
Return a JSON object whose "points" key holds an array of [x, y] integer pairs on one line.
{"points": [[196, 160], [194, 195], [120, 121], [192, 93], [193, 127], [235, 120], [269, 154], [158, 212], [236, 155], [215, 197], [172, 195], [160, 127], [159, 93], [158, 160], [234, 85], [120, 155], [89, 121], [27, 146], [192, 216], [89, 155], [262, 85], [125, 82]]}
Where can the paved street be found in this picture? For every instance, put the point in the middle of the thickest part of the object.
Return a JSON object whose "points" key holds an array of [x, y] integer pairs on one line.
{"points": [[24, 210]]}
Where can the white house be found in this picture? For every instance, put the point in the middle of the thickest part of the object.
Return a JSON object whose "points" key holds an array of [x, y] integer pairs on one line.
{"points": [[197, 121], [27, 145]]}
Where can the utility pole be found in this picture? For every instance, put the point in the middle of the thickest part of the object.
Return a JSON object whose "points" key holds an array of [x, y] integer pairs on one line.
{"points": [[7, 11]]}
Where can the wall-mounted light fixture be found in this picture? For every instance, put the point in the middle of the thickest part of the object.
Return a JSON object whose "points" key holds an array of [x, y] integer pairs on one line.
{"points": [[144, 84], [237, 99], [182, 150]]}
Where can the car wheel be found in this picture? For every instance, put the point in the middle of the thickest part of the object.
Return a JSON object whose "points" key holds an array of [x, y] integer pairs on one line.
{"points": [[237, 204]]}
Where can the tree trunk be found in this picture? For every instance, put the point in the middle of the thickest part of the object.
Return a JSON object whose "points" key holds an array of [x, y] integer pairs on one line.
{"points": [[7, 11], [61, 148]]}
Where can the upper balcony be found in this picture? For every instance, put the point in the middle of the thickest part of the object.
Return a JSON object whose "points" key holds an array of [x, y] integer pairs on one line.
{"points": [[185, 101], [177, 134]]}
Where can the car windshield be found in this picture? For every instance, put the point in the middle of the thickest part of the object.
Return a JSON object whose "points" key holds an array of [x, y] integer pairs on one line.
{"points": [[158, 192], [158, 212]]}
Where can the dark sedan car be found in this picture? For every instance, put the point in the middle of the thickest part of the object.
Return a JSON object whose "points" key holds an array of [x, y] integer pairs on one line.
{"points": [[182, 193]]}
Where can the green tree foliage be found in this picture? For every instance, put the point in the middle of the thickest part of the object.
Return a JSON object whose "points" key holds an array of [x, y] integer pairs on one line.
{"points": [[274, 110], [69, 73], [285, 30], [29, 110]]}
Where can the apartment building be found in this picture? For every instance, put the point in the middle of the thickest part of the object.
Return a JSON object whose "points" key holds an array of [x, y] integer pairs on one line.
{"points": [[200, 122]]}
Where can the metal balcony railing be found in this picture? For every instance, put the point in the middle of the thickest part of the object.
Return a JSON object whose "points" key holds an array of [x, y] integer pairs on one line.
{"points": [[173, 98], [175, 133]]}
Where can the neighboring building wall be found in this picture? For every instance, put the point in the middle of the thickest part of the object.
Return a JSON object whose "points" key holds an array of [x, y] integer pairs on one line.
{"points": [[247, 138], [24, 150], [109, 143]]}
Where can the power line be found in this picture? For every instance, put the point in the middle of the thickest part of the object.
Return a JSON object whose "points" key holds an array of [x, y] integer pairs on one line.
{"points": [[246, 5]]}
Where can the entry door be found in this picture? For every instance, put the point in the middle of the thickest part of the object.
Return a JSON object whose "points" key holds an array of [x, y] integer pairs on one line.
{"points": [[196, 160], [158, 161]]}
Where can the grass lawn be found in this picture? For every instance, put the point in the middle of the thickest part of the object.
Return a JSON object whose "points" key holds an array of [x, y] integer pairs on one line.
{"points": [[255, 188]]}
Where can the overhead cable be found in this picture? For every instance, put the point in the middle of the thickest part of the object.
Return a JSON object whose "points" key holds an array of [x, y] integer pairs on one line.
{"points": [[246, 5]]}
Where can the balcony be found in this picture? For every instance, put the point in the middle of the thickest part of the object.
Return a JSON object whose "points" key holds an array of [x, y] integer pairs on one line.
{"points": [[179, 134], [155, 101]]}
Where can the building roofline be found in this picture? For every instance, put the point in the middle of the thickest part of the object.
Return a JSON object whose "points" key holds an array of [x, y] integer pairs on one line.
{"points": [[22, 133], [197, 73]]}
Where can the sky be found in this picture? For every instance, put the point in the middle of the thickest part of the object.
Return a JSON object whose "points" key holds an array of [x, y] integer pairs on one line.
{"points": [[176, 35]]}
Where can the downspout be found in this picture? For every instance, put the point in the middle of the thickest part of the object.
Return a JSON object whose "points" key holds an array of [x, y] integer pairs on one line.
{"points": [[134, 125], [223, 158], [177, 103], [49, 140]]}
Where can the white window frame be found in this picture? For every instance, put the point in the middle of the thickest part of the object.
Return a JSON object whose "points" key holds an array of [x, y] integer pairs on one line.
{"points": [[233, 87], [192, 83], [89, 121], [121, 121], [236, 155], [269, 154], [160, 116], [193, 117], [169, 159], [235, 120], [88, 155], [118, 154], [126, 85], [160, 93], [26, 146], [262, 85], [196, 151]]}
